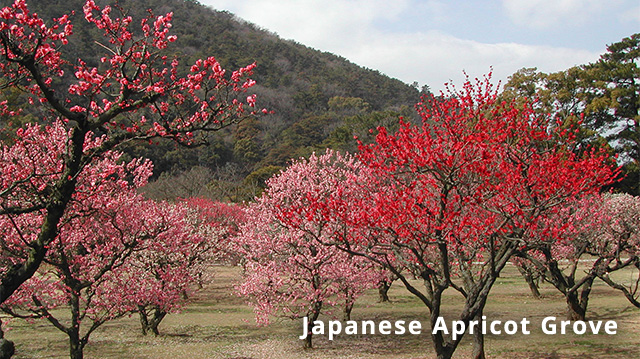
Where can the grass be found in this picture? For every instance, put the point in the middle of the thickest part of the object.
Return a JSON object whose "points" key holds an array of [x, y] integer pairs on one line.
{"points": [[218, 324]]}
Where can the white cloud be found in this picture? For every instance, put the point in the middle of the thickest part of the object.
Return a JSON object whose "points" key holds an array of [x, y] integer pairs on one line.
{"points": [[315, 23], [540, 14], [434, 58], [351, 29]]}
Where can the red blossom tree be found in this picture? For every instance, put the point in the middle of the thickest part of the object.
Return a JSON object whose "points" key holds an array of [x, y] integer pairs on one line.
{"points": [[134, 93], [287, 270], [450, 201]]}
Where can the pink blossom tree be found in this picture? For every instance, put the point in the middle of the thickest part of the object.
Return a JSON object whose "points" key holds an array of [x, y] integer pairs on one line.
{"points": [[172, 265], [106, 222], [452, 200], [288, 271], [604, 229], [134, 93], [180, 260], [115, 253], [619, 245], [220, 222]]}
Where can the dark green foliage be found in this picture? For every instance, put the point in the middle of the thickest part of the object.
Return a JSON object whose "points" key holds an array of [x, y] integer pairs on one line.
{"points": [[602, 99], [613, 103], [255, 182]]}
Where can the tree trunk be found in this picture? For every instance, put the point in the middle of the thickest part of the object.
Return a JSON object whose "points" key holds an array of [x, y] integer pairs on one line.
{"points": [[308, 343], [577, 304], [445, 353], [144, 321], [531, 281], [575, 311], [76, 346], [442, 348], [76, 343], [158, 315], [348, 306], [478, 340], [533, 286], [383, 291], [312, 317], [7, 348], [150, 324]]}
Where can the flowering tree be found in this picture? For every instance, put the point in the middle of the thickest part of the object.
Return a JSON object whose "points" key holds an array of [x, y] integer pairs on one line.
{"points": [[115, 252], [105, 223], [179, 261], [619, 245], [288, 271], [452, 200], [219, 222], [87, 272], [557, 259], [134, 74], [171, 266], [604, 228]]}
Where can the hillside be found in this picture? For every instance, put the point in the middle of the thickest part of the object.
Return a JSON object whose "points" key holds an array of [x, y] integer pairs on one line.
{"points": [[319, 99]]}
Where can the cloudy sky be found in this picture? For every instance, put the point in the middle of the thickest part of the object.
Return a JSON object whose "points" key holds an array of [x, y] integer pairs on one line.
{"points": [[434, 41]]}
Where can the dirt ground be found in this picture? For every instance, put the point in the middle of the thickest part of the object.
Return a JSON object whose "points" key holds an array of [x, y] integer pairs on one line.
{"points": [[217, 324]]}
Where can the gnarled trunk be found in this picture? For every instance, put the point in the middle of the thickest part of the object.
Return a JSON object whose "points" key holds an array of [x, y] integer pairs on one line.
{"points": [[575, 310], [149, 321], [383, 291], [578, 300]]}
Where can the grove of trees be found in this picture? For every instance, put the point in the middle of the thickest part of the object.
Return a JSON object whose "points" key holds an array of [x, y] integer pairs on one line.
{"points": [[475, 180], [54, 176], [450, 201]]}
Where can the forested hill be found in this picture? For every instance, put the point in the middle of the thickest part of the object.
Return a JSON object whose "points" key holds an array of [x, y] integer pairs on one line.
{"points": [[319, 99]]}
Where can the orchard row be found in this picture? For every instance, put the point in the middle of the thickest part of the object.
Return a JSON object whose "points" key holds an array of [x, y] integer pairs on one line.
{"points": [[476, 184]]}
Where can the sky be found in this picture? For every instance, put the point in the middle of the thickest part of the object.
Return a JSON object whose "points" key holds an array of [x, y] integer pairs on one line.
{"points": [[433, 42]]}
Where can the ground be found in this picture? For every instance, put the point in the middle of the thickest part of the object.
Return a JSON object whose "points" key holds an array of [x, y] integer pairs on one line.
{"points": [[217, 324]]}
